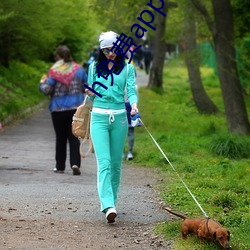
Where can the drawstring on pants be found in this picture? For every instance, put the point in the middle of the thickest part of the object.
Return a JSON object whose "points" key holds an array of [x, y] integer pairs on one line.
{"points": [[111, 117], [109, 112]]}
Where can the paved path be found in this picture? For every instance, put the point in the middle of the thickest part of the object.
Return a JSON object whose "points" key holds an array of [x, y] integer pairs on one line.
{"points": [[141, 78], [31, 191], [27, 160], [26, 163]]}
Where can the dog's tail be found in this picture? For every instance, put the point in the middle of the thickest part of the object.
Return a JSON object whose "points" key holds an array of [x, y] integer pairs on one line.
{"points": [[175, 213]]}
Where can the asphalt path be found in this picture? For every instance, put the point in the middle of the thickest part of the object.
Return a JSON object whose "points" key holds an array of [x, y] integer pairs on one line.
{"points": [[31, 190], [26, 176]]}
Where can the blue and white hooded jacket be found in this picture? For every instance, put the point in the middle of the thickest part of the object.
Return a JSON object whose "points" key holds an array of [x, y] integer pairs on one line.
{"points": [[65, 95]]}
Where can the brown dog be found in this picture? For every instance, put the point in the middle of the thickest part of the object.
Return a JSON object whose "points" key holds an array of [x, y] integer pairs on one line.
{"points": [[204, 228]]}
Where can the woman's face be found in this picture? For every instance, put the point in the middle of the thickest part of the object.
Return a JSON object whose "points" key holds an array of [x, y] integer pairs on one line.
{"points": [[109, 54]]}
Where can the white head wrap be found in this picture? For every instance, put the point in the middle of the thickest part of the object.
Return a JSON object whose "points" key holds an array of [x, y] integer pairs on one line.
{"points": [[107, 39]]}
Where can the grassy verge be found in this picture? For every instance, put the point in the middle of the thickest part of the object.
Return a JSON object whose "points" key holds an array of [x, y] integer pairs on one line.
{"points": [[19, 88], [212, 163]]}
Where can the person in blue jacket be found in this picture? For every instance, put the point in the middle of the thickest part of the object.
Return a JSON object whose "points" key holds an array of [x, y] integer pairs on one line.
{"points": [[65, 84], [109, 124]]}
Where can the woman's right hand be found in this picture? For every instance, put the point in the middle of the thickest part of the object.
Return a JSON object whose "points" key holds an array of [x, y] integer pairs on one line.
{"points": [[89, 93]]}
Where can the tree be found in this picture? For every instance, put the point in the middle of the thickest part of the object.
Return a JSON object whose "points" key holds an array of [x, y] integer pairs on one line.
{"points": [[119, 15], [159, 46], [201, 99], [28, 33], [223, 38]]}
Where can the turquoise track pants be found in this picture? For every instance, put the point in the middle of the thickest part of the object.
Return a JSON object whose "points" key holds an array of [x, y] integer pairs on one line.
{"points": [[108, 136]]}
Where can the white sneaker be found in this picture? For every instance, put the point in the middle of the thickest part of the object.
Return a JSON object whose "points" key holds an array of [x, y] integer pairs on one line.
{"points": [[111, 214], [130, 156], [58, 171]]}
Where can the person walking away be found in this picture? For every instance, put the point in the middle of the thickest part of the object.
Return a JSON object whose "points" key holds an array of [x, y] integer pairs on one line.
{"points": [[139, 56], [109, 123], [147, 58], [65, 85]]}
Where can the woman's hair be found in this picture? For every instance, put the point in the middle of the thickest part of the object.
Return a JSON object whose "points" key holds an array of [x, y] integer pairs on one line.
{"points": [[63, 52], [119, 62]]}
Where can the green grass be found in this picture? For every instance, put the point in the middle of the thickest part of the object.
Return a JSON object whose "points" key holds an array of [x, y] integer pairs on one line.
{"points": [[19, 87], [214, 164]]}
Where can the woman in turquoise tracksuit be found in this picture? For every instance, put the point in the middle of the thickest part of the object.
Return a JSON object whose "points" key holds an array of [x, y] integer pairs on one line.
{"points": [[109, 123]]}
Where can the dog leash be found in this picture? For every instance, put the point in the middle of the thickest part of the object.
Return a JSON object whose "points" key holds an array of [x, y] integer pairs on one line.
{"points": [[174, 169]]}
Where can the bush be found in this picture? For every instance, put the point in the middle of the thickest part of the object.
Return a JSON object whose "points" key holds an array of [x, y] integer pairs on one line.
{"points": [[231, 146], [224, 200], [19, 88]]}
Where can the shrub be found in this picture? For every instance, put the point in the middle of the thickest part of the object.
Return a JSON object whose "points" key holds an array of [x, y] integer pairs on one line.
{"points": [[231, 146], [223, 200]]}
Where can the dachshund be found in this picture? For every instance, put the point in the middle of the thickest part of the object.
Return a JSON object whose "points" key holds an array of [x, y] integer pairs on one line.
{"points": [[204, 229]]}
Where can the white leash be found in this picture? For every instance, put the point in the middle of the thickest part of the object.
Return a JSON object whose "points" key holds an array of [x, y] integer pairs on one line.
{"points": [[174, 169]]}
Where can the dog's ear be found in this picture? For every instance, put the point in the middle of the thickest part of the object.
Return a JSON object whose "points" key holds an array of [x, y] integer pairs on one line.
{"points": [[228, 237], [214, 235]]}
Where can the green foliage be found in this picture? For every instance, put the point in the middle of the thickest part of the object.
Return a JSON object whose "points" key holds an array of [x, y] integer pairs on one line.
{"points": [[176, 18], [175, 24], [224, 200], [29, 33], [231, 146], [170, 230], [243, 60], [241, 17], [118, 15], [219, 183], [19, 87]]}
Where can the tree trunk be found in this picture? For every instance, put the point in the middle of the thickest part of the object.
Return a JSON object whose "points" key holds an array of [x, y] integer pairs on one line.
{"points": [[201, 99], [159, 50], [235, 109]]}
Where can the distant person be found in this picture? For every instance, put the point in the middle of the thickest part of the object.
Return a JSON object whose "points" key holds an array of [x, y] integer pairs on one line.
{"points": [[138, 56], [65, 86], [93, 55], [130, 127], [109, 125], [85, 66], [147, 54], [130, 133]]}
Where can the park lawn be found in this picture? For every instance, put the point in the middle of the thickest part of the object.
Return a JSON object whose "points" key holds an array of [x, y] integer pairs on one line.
{"points": [[219, 182]]}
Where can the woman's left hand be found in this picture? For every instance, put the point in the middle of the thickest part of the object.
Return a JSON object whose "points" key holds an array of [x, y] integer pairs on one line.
{"points": [[134, 109]]}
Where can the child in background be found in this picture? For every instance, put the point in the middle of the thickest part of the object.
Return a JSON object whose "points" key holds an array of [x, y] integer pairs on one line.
{"points": [[130, 127], [130, 133]]}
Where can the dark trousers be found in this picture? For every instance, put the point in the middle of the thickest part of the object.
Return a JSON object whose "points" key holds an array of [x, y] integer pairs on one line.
{"points": [[130, 129], [147, 65], [62, 122], [131, 139]]}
